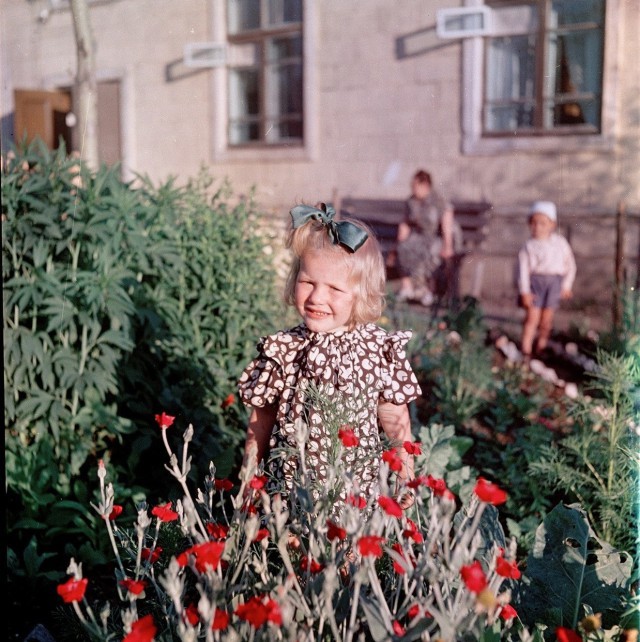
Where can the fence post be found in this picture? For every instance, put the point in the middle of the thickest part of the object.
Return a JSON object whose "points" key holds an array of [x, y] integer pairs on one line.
{"points": [[619, 268]]}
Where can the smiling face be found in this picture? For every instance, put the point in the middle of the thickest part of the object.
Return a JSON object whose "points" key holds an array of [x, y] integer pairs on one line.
{"points": [[324, 296], [541, 226]]}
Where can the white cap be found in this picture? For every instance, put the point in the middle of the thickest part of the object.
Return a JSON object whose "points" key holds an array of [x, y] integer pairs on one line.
{"points": [[544, 207]]}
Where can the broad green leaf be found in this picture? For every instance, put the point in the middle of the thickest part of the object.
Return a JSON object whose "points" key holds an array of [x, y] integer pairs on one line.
{"points": [[569, 567]]}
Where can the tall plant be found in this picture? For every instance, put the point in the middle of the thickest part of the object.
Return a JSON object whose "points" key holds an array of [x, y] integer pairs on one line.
{"points": [[116, 299], [598, 463]]}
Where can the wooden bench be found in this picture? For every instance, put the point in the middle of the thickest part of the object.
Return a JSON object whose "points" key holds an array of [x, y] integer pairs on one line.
{"points": [[384, 216]]}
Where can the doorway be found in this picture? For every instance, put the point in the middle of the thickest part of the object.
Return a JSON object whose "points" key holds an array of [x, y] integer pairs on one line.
{"points": [[49, 116]]}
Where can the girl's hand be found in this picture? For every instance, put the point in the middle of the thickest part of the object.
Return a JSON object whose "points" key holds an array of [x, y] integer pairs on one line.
{"points": [[566, 294]]}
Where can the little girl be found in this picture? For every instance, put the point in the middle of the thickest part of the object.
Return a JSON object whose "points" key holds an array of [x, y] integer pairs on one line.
{"points": [[338, 354]]}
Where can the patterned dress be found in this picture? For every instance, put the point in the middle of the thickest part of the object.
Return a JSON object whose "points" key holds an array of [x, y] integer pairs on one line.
{"points": [[321, 382]]}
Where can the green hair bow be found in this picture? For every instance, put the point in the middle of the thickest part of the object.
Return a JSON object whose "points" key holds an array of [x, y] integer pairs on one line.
{"points": [[340, 232]]}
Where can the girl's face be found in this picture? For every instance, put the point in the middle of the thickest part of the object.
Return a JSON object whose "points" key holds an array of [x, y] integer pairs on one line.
{"points": [[541, 226], [324, 297]]}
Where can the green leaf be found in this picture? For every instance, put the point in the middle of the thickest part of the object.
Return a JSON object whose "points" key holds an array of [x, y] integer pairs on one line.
{"points": [[570, 567]]}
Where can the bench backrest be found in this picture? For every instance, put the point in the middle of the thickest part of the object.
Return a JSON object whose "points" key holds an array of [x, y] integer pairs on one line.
{"points": [[384, 216]]}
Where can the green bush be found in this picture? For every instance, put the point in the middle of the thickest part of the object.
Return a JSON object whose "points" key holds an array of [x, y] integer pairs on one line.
{"points": [[118, 301], [598, 463]]}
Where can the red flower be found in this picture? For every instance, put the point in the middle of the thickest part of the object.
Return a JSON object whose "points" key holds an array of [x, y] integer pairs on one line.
{"points": [[412, 532], [505, 568], [564, 634], [164, 420], [334, 531], [390, 506], [223, 484], [261, 534], [416, 482], [152, 556], [508, 612], [348, 437], [164, 512], [489, 493], [308, 564], [398, 629], [116, 511], [258, 610], [370, 545], [258, 482], [448, 496], [220, 620], [229, 400], [72, 590], [191, 614], [357, 501], [249, 509], [392, 458], [474, 577], [207, 555], [438, 486], [217, 531], [134, 586], [413, 448], [142, 630], [413, 611]]}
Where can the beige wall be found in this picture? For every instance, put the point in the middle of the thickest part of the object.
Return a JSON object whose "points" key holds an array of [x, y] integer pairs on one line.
{"points": [[385, 96], [166, 124]]}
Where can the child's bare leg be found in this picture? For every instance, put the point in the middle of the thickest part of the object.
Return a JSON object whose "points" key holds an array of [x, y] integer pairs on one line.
{"points": [[406, 283], [544, 329], [529, 329]]}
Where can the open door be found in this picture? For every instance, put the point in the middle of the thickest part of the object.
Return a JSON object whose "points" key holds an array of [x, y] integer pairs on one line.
{"points": [[43, 114], [49, 115]]}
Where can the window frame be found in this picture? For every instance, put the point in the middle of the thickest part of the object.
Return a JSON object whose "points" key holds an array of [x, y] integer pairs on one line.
{"points": [[478, 141], [309, 149]]}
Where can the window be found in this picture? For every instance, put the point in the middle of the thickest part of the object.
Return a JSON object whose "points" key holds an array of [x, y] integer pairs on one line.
{"points": [[544, 67], [265, 72]]}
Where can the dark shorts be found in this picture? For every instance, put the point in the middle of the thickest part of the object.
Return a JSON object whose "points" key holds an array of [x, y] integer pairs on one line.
{"points": [[546, 290]]}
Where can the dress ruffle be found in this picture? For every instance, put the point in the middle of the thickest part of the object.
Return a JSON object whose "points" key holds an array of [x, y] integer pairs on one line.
{"points": [[368, 354]]}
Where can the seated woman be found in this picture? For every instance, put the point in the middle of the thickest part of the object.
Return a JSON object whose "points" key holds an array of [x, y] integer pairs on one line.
{"points": [[425, 238]]}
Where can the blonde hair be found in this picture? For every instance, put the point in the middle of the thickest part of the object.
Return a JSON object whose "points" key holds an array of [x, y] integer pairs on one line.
{"points": [[367, 273]]}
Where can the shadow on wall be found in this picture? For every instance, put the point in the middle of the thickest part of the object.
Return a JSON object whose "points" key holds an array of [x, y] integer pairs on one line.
{"points": [[422, 41]]}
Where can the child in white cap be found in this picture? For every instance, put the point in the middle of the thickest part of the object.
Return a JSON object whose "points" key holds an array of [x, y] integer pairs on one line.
{"points": [[546, 272]]}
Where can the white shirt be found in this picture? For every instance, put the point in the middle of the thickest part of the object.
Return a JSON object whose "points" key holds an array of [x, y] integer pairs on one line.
{"points": [[546, 256]]}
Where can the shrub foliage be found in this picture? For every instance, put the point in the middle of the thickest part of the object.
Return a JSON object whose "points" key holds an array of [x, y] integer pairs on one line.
{"points": [[117, 300]]}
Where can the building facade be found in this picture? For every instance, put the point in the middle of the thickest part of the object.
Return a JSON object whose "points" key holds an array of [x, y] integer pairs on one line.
{"points": [[505, 101]]}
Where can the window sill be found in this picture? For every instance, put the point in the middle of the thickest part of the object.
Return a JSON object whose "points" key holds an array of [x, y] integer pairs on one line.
{"points": [[566, 143], [280, 153]]}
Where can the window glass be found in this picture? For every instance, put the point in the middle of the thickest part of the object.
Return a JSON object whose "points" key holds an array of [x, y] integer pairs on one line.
{"points": [[265, 73], [243, 15], [572, 12], [244, 106], [511, 83], [544, 77], [284, 11]]}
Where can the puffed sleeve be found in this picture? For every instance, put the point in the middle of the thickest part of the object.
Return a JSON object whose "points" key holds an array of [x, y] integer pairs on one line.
{"points": [[400, 384], [262, 381]]}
